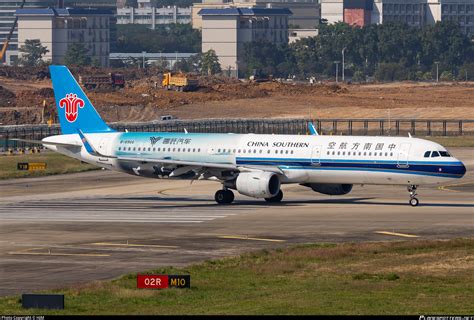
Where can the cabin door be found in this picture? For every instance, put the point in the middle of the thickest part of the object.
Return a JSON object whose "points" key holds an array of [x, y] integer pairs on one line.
{"points": [[402, 160], [316, 156]]}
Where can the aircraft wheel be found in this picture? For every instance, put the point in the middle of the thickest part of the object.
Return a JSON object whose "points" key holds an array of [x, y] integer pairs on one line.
{"points": [[224, 196], [277, 198], [414, 202]]}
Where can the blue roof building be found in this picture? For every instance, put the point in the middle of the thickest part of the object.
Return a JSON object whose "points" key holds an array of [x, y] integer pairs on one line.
{"points": [[226, 30], [57, 28]]}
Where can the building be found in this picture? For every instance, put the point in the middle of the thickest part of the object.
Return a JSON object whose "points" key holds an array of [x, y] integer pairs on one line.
{"points": [[151, 16], [58, 28], [305, 15], [413, 12], [226, 30], [9, 7], [298, 34], [7, 18]]}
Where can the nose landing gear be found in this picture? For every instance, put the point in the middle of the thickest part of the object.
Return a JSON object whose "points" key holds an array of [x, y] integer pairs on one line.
{"points": [[413, 200]]}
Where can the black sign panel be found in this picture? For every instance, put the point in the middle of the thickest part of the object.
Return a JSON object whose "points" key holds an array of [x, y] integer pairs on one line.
{"points": [[43, 301], [179, 281]]}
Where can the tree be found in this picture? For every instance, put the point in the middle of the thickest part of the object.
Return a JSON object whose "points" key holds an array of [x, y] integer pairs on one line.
{"points": [[165, 38], [32, 53], [77, 55], [210, 63]]}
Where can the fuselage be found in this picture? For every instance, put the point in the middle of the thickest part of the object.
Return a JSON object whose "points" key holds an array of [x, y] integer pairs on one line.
{"points": [[302, 159]]}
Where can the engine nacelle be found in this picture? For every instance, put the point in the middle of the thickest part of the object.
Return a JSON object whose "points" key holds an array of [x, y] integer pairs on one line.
{"points": [[331, 189], [258, 184]]}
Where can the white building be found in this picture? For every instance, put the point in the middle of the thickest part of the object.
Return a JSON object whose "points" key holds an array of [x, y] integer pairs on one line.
{"points": [[298, 34], [151, 16], [413, 12], [305, 13], [58, 28], [227, 30]]}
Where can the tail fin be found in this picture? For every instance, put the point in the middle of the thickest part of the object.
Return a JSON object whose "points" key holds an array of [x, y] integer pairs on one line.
{"points": [[75, 111]]}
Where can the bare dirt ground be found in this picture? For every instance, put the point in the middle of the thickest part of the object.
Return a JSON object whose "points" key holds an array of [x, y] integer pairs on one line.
{"points": [[21, 100]]}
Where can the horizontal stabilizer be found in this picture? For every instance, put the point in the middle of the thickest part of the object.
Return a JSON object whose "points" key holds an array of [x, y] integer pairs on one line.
{"points": [[59, 144]]}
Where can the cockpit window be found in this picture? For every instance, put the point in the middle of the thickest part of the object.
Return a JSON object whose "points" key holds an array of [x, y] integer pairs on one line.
{"points": [[427, 154], [444, 154], [435, 154]]}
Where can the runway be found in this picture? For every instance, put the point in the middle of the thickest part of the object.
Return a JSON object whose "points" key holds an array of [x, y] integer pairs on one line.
{"points": [[72, 229]]}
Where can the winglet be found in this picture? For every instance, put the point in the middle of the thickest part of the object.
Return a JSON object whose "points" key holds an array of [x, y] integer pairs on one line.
{"points": [[89, 147], [312, 129]]}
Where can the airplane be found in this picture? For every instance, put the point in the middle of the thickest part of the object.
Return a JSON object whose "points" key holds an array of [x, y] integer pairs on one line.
{"points": [[255, 165]]}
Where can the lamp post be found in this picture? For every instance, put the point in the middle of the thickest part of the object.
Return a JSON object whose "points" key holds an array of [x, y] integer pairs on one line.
{"points": [[143, 59], [343, 64], [437, 71], [337, 70]]}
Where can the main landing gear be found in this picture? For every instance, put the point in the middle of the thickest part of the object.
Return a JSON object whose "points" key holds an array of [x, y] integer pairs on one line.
{"points": [[277, 198], [224, 196], [413, 200]]}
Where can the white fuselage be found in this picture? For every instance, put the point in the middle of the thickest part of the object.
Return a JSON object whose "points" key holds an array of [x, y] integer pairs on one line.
{"points": [[302, 159]]}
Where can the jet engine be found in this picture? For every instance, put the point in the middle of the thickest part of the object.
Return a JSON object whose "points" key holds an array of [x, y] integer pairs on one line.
{"points": [[330, 189], [258, 184]]}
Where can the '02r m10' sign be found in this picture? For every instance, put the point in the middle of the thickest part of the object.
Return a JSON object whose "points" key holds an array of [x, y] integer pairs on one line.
{"points": [[161, 281]]}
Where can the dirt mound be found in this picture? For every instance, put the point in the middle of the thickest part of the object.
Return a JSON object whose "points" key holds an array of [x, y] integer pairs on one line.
{"points": [[7, 98]]}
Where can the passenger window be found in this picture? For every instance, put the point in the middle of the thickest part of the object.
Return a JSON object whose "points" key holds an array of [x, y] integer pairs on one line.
{"points": [[434, 154], [119, 148], [391, 154], [339, 153], [427, 154], [254, 151], [268, 151], [199, 150], [360, 153], [334, 152], [134, 148], [169, 149], [260, 151], [291, 151]]}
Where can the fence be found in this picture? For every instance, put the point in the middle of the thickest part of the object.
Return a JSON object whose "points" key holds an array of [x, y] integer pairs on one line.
{"points": [[395, 127]]}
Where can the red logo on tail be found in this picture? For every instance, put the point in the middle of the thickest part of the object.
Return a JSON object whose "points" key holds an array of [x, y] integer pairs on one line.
{"points": [[71, 103]]}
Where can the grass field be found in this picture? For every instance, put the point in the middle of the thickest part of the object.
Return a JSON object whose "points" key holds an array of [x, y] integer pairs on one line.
{"points": [[412, 277], [56, 164]]}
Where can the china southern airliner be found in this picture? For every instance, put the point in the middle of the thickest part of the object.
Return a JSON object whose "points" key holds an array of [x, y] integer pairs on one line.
{"points": [[255, 165]]}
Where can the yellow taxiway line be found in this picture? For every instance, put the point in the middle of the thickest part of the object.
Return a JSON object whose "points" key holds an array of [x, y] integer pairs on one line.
{"points": [[250, 238], [397, 234], [446, 187], [108, 244]]}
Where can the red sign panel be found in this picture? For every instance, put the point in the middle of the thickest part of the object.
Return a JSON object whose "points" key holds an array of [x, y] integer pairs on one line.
{"points": [[152, 281]]}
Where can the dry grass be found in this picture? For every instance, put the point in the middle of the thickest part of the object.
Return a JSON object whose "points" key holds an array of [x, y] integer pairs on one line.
{"points": [[409, 277]]}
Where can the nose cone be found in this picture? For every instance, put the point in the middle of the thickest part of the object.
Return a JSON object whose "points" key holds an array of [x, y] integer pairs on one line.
{"points": [[462, 169]]}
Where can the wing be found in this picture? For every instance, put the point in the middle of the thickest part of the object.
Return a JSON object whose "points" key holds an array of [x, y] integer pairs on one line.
{"points": [[204, 165]]}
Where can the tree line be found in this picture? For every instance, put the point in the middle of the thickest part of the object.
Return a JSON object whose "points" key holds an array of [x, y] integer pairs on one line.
{"points": [[390, 51]]}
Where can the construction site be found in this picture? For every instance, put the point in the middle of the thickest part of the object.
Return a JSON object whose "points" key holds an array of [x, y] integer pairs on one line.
{"points": [[26, 97]]}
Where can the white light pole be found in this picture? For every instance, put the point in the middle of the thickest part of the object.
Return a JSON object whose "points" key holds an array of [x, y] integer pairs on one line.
{"points": [[437, 71], [337, 70], [343, 65], [143, 59]]}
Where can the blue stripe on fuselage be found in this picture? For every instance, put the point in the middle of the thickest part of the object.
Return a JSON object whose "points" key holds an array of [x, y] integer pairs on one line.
{"points": [[453, 169]]}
